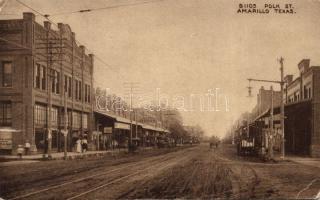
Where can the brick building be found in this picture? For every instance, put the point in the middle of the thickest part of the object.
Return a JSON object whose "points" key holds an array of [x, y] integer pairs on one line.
{"points": [[264, 101], [43, 73], [302, 114], [302, 110]]}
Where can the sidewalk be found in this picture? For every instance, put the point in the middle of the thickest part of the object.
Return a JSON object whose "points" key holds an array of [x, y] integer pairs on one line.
{"points": [[314, 162], [60, 155]]}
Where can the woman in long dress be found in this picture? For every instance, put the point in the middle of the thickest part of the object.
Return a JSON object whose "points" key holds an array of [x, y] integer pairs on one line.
{"points": [[78, 146]]}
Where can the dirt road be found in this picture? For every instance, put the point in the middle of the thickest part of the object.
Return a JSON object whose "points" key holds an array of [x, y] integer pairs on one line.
{"points": [[195, 172]]}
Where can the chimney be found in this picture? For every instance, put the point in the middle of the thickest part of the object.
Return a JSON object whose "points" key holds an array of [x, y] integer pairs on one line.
{"points": [[28, 16], [288, 79], [60, 26], [304, 65], [47, 25]]}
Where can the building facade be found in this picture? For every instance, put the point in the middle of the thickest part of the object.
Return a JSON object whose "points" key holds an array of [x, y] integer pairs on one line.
{"points": [[302, 115], [46, 85], [302, 110]]}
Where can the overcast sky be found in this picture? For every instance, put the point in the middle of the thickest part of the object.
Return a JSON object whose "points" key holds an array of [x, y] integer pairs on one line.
{"points": [[188, 46]]}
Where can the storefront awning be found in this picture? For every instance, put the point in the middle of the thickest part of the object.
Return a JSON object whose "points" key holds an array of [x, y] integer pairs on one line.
{"points": [[119, 125], [122, 123], [117, 118], [8, 129]]}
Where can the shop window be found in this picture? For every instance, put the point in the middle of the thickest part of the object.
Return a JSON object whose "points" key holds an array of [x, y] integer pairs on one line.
{"points": [[54, 116], [76, 120], [40, 114], [85, 121]]}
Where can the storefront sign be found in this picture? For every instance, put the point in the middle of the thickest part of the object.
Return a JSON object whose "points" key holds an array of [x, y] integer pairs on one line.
{"points": [[121, 126], [107, 130], [5, 140]]}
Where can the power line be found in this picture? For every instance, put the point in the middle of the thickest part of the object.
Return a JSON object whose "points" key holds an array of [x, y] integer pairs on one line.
{"points": [[80, 43], [105, 8], [25, 5]]}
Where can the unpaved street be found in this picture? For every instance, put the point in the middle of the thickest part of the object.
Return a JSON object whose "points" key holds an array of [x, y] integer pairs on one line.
{"points": [[194, 172]]}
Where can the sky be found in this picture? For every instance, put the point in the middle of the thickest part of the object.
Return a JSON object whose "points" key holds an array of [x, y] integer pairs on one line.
{"points": [[186, 47]]}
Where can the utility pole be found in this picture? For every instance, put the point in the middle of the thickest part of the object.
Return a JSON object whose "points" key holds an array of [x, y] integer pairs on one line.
{"points": [[282, 108], [130, 138], [271, 127], [282, 115], [65, 132], [49, 112], [135, 119], [132, 85], [248, 125]]}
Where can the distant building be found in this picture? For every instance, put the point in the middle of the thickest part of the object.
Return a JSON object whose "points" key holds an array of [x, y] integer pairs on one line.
{"points": [[35, 60], [264, 99]]}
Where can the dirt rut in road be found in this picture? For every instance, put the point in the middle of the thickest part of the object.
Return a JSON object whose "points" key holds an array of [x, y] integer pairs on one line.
{"points": [[204, 176]]}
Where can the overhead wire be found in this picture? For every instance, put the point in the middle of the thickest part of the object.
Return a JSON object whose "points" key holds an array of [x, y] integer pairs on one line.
{"points": [[105, 8], [46, 16]]}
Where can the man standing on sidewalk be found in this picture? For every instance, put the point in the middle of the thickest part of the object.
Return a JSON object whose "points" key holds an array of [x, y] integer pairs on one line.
{"points": [[27, 147]]}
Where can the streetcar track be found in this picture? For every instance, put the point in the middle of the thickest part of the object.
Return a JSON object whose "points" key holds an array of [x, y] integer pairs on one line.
{"points": [[59, 185], [121, 178]]}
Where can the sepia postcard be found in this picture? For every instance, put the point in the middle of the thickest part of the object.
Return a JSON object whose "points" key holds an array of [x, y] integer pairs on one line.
{"points": [[159, 99]]}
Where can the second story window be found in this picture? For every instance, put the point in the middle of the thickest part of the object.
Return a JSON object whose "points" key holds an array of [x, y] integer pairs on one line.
{"points": [[5, 113], [40, 77], [80, 90], [55, 86], [87, 93], [70, 87], [76, 89], [6, 74], [37, 69], [65, 84], [43, 78], [58, 82], [309, 92]]}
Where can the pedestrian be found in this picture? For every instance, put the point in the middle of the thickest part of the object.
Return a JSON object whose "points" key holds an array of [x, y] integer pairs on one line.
{"points": [[27, 147], [78, 146], [20, 151], [84, 145], [46, 146]]}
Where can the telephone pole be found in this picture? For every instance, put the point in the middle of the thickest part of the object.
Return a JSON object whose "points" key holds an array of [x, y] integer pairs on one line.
{"points": [[49, 111], [131, 85], [65, 131], [282, 108], [271, 127], [282, 115]]}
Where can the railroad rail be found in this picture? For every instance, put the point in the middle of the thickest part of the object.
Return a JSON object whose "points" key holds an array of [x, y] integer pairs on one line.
{"points": [[60, 185]]}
